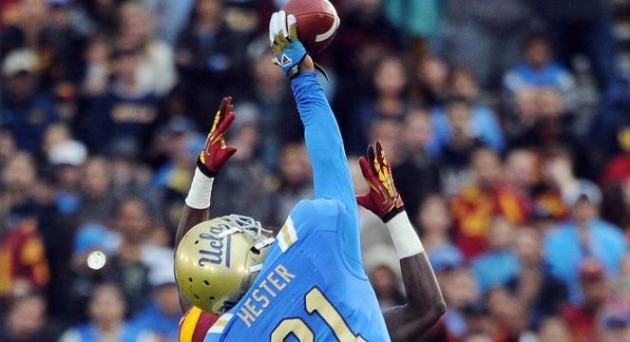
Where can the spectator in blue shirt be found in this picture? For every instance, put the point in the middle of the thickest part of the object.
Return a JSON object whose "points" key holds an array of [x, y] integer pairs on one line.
{"points": [[162, 314], [26, 112], [481, 124], [538, 70], [584, 235], [500, 264]]}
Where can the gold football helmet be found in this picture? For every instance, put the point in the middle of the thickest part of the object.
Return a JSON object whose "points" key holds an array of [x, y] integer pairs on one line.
{"points": [[217, 260]]}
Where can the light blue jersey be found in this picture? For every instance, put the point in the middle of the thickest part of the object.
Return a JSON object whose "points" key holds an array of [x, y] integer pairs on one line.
{"points": [[312, 286]]}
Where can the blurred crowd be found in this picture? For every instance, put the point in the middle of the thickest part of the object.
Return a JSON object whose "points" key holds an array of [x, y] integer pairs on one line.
{"points": [[507, 123]]}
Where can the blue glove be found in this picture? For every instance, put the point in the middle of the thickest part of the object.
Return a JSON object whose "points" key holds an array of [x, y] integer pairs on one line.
{"points": [[284, 42]]}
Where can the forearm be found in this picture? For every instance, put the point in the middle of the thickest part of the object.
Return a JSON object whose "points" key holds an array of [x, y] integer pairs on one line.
{"points": [[322, 134], [425, 304], [196, 210], [197, 205], [331, 175]]}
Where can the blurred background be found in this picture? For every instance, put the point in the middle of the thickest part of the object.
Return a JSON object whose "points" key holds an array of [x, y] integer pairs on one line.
{"points": [[507, 123]]}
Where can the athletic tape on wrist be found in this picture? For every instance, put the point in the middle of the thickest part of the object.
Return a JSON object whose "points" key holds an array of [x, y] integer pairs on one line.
{"points": [[405, 238], [200, 191]]}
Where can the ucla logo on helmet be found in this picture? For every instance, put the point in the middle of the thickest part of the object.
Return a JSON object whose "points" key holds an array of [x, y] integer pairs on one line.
{"points": [[213, 249]]}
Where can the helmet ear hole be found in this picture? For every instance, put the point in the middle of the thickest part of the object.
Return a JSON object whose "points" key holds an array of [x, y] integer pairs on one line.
{"points": [[196, 296], [190, 280], [255, 250], [207, 283]]}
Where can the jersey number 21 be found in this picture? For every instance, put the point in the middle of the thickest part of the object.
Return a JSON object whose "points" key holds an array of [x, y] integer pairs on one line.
{"points": [[316, 302]]}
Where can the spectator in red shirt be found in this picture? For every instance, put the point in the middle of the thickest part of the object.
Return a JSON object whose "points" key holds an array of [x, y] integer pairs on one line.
{"points": [[23, 263], [475, 205], [582, 319]]}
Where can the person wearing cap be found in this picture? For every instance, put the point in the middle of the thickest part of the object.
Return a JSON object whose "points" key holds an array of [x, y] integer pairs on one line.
{"points": [[25, 110], [583, 235], [162, 314]]}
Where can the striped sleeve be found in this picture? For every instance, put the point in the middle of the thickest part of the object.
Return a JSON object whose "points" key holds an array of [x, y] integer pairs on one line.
{"points": [[195, 324]]}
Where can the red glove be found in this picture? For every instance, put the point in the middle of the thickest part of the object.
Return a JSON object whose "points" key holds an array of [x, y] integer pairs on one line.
{"points": [[383, 198], [215, 153]]}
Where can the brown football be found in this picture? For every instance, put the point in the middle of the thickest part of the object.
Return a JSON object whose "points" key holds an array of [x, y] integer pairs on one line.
{"points": [[317, 23]]}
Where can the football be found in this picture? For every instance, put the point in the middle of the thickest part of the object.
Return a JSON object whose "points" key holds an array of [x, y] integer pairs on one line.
{"points": [[317, 23]]}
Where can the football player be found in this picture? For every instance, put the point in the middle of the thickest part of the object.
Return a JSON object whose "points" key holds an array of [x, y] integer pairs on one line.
{"points": [[307, 284]]}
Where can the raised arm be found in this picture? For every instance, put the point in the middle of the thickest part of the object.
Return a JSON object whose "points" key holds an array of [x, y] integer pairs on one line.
{"points": [[331, 173], [425, 304], [211, 159]]}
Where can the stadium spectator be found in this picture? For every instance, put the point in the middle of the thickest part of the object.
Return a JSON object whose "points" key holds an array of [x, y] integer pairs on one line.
{"points": [[535, 287], [26, 111], [585, 235], [61, 49], [418, 173], [293, 183], [128, 110], [97, 200], [210, 59], [460, 293], [584, 27], [162, 314], [170, 17], [22, 253], [384, 272], [582, 318], [270, 97], [434, 223], [554, 329], [499, 265], [418, 21], [522, 169], [156, 68], [25, 30], [107, 319], [550, 127], [27, 321], [483, 122], [136, 254], [247, 197], [367, 37], [386, 100], [537, 70], [611, 125], [68, 157], [477, 203], [456, 149], [484, 35], [431, 80], [508, 315]]}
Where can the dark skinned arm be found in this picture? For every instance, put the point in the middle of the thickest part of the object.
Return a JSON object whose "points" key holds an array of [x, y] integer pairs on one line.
{"points": [[211, 159], [425, 304]]}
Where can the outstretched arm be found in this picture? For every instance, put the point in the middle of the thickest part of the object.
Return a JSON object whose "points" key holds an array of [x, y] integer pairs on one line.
{"points": [[425, 304], [331, 173], [211, 159]]}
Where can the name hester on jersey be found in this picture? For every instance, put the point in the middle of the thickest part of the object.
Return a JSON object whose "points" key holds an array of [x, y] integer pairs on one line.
{"points": [[261, 296]]}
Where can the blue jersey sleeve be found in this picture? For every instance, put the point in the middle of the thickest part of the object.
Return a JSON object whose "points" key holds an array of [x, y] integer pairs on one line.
{"points": [[331, 174]]}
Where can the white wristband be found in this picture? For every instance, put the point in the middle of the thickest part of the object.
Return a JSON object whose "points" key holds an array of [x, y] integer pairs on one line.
{"points": [[200, 191], [405, 238]]}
